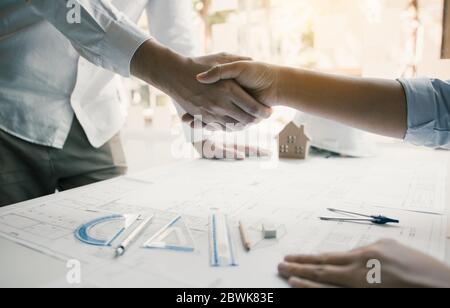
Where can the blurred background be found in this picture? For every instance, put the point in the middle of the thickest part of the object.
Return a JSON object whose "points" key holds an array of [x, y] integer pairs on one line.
{"points": [[371, 38]]}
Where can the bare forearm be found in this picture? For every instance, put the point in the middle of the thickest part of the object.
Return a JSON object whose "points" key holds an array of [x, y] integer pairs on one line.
{"points": [[374, 105], [153, 63]]}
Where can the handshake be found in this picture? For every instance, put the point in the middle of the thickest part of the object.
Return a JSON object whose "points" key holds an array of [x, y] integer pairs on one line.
{"points": [[231, 92], [228, 92]]}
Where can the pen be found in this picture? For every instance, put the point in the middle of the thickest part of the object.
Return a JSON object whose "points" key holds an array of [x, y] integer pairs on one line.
{"points": [[120, 251], [244, 237]]}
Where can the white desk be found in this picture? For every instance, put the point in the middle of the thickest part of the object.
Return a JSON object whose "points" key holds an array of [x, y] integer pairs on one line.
{"points": [[24, 267]]}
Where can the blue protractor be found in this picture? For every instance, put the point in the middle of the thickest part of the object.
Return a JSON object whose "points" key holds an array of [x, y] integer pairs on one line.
{"points": [[82, 233]]}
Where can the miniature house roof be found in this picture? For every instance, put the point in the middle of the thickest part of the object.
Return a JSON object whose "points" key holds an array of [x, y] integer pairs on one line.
{"points": [[294, 127]]}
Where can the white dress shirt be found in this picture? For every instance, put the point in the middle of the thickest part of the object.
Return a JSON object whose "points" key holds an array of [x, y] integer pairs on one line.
{"points": [[43, 79]]}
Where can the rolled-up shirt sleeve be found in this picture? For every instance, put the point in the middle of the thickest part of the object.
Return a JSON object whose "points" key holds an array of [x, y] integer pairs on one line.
{"points": [[104, 36], [428, 102]]}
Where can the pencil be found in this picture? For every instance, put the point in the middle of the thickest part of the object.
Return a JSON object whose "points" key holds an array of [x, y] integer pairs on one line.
{"points": [[127, 242], [244, 237]]}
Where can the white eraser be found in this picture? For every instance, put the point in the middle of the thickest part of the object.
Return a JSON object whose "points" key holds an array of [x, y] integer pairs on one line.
{"points": [[269, 231]]}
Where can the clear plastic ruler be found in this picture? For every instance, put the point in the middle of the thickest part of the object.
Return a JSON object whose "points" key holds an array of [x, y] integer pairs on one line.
{"points": [[222, 253]]}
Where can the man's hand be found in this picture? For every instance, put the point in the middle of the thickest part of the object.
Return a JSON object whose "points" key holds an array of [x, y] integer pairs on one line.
{"points": [[259, 79], [222, 103], [401, 267]]}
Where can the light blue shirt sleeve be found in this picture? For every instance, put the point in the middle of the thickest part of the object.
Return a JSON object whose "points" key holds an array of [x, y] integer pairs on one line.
{"points": [[428, 103], [104, 36]]}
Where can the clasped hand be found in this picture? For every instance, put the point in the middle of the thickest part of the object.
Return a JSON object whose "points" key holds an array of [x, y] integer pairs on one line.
{"points": [[226, 104], [220, 103]]}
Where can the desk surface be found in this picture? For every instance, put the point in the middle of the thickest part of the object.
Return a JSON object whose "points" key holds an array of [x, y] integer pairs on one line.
{"points": [[22, 266]]}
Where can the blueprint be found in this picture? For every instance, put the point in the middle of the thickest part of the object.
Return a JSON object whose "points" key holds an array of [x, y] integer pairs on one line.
{"points": [[402, 184]]}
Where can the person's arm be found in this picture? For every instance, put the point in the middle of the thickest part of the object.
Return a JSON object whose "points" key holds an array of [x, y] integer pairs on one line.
{"points": [[107, 38], [400, 267], [374, 105], [104, 36]]}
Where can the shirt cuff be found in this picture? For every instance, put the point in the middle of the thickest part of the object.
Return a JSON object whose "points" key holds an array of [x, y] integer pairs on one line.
{"points": [[122, 39], [421, 102]]}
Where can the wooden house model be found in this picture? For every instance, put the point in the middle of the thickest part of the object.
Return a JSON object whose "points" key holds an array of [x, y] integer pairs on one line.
{"points": [[293, 142]]}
